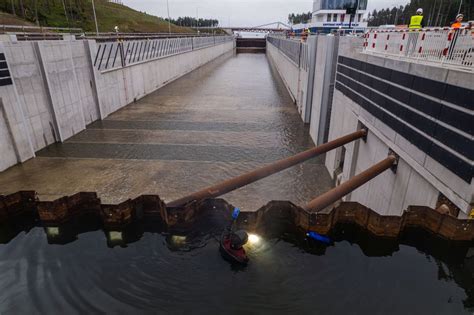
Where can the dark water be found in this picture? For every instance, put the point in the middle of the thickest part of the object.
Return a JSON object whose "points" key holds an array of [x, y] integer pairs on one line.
{"points": [[162, 273]]}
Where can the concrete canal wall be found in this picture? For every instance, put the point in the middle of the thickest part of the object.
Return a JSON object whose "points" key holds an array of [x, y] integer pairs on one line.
{"points": [[290, 59], [119, 87], [421, 112], [50, 90]]}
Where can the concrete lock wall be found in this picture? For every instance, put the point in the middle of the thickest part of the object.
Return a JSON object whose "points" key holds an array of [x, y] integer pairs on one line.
{"points": [[423, 113], [53, 91], [119, 87], [294, 76], [320, 103]]}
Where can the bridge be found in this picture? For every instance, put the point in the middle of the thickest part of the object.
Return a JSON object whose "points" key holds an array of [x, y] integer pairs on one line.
{"points": [[190, 119], [274, 27]]}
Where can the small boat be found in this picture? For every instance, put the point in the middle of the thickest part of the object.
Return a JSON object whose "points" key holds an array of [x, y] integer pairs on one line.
{"points": [[232, 242], [231, 246]]}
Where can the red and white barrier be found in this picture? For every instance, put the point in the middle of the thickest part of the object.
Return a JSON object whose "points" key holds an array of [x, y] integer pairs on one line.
{"points": [[441, 45]]}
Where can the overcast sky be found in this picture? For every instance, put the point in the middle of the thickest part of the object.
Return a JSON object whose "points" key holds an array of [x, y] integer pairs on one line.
{"points": [[237, 12]]}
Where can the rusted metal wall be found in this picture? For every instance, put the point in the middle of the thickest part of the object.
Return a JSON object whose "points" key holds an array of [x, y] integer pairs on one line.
{"points": [[16, 206]]}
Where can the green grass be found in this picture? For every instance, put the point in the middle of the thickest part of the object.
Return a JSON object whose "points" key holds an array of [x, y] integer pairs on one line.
{"points": [[80, 14]]}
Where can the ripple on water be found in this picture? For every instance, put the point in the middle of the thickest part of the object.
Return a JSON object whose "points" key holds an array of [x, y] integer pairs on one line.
{"points": [[286, 274]]}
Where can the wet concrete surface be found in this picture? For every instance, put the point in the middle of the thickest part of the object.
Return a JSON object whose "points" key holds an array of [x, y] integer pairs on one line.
{"points": [[228, 117]]}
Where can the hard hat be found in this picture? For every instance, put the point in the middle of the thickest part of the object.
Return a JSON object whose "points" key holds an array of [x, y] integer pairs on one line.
{"points": [[459, 16], [420, 11]]}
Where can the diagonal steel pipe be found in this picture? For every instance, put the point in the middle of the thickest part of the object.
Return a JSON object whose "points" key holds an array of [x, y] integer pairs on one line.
{"points": [[250, 177], [331, 196]]}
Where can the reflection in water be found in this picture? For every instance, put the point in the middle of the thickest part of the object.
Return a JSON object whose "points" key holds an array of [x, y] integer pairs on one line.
{"points": [[161, 270]]}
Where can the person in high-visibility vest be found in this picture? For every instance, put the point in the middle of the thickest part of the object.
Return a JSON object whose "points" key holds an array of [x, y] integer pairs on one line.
{"points": [[416, 21], [304, 34], [456, 29], [458, 22]]}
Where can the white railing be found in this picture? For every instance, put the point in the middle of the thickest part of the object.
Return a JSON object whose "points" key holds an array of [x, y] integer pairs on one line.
{"points": [[113, 55], [447, 47]]}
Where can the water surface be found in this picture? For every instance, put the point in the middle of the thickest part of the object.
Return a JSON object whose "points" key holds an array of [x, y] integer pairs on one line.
{"points": [[164, 273], [219, 121]]}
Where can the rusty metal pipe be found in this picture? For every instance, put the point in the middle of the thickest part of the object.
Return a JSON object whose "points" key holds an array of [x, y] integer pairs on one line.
{"points": [[350, 185], [253, 176]]}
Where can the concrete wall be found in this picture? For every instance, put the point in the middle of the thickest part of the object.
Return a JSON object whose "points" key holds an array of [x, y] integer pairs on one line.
{"points": [[62, 86], [85, 80], [119, 87], [15, 141], [323, 85], [288, 70], [422, 113], [295, 77], [32, 91], [420, 177], [55, 90]]}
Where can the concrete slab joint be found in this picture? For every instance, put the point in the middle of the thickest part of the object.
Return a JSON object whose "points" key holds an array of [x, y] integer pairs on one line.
{"points": [[47, 84]]}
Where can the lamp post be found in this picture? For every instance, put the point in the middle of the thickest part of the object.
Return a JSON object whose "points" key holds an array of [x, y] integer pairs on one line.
{"points": [[460, 5], [169, 19], [65, 14], [95, 19], [197, 18]]}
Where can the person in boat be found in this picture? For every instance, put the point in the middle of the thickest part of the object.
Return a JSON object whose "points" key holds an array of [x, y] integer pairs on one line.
{"points": [[232, 242]]}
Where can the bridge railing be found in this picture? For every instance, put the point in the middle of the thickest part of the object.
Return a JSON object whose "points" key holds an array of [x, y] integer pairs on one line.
{"points": [[114, 55], [446, 47]]}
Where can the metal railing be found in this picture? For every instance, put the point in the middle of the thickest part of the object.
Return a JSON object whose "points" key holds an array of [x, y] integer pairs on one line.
{"points": [[112, 36], [113, 55], [289, 47], [296, 50], [41, 29], [446, 47]]}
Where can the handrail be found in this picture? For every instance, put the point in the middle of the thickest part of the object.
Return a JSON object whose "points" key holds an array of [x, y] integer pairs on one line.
{"points": [[350, 185]]}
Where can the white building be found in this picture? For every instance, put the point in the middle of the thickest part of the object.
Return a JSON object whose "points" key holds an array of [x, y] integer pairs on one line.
{"points": [[332, 14]]}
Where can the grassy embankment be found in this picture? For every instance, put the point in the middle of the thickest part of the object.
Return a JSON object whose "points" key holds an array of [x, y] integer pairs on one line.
{"points": [[80, 14]]}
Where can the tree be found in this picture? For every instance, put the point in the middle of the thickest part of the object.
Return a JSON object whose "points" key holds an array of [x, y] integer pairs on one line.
{"points": [[299, 18], [192, 22], [436, 12]]}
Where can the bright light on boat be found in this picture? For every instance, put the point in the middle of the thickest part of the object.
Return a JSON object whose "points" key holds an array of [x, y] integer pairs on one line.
{"points": [[178, 239], [254, 239], [115, 236], [52, 231]]}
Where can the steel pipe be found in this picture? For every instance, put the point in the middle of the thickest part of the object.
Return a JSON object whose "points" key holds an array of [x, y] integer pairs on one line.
{"points": [[250, 177], [350, 185]]}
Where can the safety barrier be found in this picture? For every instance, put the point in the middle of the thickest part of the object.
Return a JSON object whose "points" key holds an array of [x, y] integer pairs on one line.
{"points": [[445, 46], [289, 47], [113, 55]]}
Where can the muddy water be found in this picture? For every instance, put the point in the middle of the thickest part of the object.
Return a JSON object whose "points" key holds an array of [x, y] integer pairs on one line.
{"points": [[287, 274], [219, 121]]}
